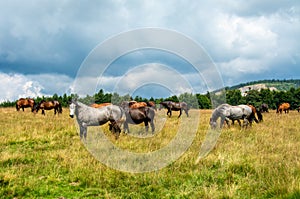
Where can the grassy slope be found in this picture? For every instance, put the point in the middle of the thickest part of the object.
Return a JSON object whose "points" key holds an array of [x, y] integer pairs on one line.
{"points": [[43, 157]]}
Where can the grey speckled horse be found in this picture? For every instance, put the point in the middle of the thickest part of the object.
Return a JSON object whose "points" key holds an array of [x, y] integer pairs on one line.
{"points": [[89, 116], [227, 112]]}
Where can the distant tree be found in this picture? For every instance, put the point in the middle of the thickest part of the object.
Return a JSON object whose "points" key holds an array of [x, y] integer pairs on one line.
{"points": [[190, 99], [233, 97], [253, 97], [203, 101]]}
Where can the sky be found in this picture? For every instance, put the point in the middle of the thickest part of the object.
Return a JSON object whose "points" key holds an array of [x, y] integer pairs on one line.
{"points": [[49, 47]]}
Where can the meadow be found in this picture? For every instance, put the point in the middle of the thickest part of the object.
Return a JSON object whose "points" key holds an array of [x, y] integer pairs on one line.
{"points": [[43, 157]]}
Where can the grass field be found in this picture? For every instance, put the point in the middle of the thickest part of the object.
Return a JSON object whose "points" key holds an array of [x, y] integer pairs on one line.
{"points": [[43, 157]]}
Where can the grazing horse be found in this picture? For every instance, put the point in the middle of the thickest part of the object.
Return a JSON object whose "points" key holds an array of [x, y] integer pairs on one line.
{"points": [[138, 115], [94, 105], [227, 112], [252, 116], [24, 103], [89, 116], [264, 108], [175, 106], [48, 105], [283, 107], [255, 112]]}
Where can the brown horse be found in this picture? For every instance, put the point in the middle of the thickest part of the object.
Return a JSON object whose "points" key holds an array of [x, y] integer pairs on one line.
{"points": [[152, 105], [48, 105], [283, 107], [134, 104], [24, 103], [257, 113], [94, 105], [138, 115]]}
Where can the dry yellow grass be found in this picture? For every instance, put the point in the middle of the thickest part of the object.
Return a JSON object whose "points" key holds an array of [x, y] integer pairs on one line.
{"points": [[43, 157]]}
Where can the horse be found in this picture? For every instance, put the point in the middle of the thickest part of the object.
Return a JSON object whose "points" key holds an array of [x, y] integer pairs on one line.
{"points": [[48, 105], [135, 104], [227, 112], [138, 115], [298, 109], [283, 107], [24, 103], [94, 105], [152, 105], [89, 116], [252, 116], [255, 112], [264, 108], [175, 106]]}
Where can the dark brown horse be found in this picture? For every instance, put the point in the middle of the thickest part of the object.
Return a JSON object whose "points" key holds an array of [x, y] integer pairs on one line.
{"points": [[48, 105], [138, 115], [175, 106], [264, 108], [24, 103], [283, 107]]}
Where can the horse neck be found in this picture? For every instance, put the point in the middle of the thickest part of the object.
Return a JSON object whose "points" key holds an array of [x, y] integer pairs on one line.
{"points": [[215, 115]]}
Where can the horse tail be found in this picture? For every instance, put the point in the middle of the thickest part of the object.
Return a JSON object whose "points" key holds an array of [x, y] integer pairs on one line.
{"points": [[17, 106]]}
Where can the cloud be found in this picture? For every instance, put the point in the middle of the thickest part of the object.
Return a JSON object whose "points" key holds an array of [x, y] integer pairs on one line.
{"points": [[55, 38], [14, 86]]}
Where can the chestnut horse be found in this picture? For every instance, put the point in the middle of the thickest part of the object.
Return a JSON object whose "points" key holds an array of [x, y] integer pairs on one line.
{"points": [[48, 105], [24, 103], [283, 107], [94, 105], [134, 104]]}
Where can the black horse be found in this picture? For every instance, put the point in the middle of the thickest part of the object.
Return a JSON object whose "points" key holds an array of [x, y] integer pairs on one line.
{"points": [[264, 108], [175, 106], [137, 116]]}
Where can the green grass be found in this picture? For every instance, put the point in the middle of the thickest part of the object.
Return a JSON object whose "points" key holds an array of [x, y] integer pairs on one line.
{"points": [[43, 157]]}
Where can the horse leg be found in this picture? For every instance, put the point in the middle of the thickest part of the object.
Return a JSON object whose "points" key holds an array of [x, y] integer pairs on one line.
{"points": [[169, 113], [222, 122], [245, 123], [180, 111], [146, 126], [43, 112], [186, 112], [239, 123], [126, 127], [152, 126], [83, 130], [227, 122]]}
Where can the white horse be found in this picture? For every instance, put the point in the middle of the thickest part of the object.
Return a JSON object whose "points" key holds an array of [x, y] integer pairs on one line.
{"points": [[227, 112], [89, 116]]}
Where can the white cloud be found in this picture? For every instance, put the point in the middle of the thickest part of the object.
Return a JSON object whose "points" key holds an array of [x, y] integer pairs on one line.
{"points": [[257, 36], [14, 86]]}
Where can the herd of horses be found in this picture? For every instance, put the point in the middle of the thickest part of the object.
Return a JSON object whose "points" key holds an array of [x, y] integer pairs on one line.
{"points": [[132, 112], [42, 105]]}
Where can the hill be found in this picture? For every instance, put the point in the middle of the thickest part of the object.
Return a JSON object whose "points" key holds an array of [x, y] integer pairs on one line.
{"points": [[277, 85]]}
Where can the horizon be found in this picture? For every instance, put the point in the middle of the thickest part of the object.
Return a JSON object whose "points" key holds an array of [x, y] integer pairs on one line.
{"points": [[251, 83]]}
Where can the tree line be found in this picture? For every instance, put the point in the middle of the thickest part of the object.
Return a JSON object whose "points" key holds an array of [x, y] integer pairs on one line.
{"points": [[202, 101]]}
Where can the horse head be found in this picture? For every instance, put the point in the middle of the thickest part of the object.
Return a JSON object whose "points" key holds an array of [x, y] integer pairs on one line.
{"points": [[72, 107]]}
